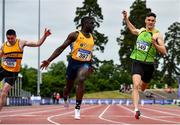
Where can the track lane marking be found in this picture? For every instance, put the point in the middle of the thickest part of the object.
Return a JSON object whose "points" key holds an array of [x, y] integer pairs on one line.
{"points": [[56, 123], [105, 119], [41, 111], [156, 119], [163, 112], [17, 110]]}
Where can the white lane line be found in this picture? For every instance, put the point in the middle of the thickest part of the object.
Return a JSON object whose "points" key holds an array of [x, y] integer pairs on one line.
{"points": [[149, 117], [163, 116], [53, 122], [16, 110], [161, 111], [105, 119], [45, 110], [29, 115], [56, 123], [168, 108]]}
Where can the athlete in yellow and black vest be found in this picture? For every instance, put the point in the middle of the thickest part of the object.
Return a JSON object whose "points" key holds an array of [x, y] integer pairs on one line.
{"points": [[79, 65], [11, 61], [148, 43], [81, 49], [11, 53]]}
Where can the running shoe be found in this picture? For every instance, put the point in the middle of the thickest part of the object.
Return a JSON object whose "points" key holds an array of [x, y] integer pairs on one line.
{"points": [[137, 114], [77, 114]]}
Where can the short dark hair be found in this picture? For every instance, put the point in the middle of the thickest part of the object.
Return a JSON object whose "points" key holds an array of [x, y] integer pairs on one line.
{"points": [[151, 14], [85, 19], [11, 32]]}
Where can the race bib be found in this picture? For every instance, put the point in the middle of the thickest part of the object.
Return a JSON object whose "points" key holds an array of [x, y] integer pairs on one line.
{"points": [[84, 55], [143, 46], [10, 62]]}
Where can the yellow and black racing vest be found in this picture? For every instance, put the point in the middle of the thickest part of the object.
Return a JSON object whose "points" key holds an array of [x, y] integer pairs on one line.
{"points": [[11, 60], [82, 48]]}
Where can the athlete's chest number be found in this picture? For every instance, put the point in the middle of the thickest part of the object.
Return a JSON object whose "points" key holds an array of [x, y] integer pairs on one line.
{"points": [[142, 46], [84, 54], [10, 62]]}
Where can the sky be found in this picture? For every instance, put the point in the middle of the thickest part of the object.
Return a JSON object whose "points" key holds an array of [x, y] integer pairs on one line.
{"points": [[58, 15]]}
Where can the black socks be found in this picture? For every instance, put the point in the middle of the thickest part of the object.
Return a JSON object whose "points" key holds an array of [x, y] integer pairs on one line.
{"points": [[78, 104]]}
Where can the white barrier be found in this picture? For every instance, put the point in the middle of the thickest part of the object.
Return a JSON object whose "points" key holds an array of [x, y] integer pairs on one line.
{"points": [[176, 102], [36, 100]]}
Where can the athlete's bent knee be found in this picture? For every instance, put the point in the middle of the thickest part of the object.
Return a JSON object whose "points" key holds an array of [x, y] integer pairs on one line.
{"points": [[3, 94]]}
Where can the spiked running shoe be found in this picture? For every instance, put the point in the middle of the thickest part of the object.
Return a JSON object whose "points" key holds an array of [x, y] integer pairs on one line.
{"points": [[137, 114], [77, 114]]}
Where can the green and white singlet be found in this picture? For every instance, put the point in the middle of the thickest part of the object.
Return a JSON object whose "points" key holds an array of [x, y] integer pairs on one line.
{"points": [[144, 50]]}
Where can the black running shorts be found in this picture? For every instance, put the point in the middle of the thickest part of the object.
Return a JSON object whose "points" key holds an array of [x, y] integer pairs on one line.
{"points": [[144, 69], [73, 68], [9, 77]]}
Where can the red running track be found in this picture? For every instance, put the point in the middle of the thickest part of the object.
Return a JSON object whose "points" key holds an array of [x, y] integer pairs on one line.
{"points": [[90, 114]]}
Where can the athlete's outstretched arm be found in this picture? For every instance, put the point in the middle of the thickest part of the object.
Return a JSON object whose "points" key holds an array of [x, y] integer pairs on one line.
{"points": [[71, 38], [39, 42], [130, 26]]}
